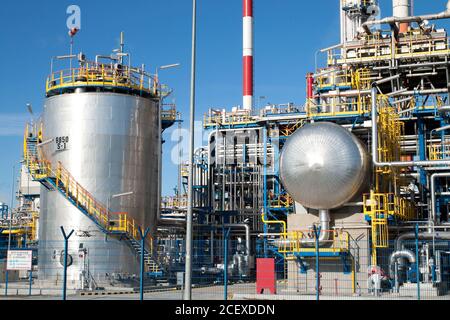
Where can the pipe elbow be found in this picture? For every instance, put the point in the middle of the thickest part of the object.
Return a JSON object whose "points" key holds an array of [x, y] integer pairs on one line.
{"points": [[407, 254]]}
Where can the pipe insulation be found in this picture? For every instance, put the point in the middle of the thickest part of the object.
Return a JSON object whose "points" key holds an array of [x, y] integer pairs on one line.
{"points": [[408, 19], [408, 254], [401, 252], [402, 9], [247, 235], [433, 179]]}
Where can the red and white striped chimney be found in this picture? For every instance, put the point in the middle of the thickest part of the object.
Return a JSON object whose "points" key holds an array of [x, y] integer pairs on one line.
{"points": [[248, 55]]}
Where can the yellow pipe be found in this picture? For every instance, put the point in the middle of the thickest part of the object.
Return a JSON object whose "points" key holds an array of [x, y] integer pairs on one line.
{"points": [[274, 222], [353, 275]]}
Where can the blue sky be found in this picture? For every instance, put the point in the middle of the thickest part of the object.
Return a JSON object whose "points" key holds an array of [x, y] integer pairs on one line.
{"points": [[157, 32]]}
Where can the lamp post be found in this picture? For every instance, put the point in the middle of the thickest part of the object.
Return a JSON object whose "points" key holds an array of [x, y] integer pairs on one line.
{"points": [[188, 265]]}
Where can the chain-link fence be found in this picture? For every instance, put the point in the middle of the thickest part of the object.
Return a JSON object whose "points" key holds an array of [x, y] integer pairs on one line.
{"points": [[112, 267]]}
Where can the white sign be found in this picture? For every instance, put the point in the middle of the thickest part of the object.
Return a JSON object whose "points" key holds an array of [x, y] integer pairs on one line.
{"points": [[62, 143], [19, 260], [74, 20]]}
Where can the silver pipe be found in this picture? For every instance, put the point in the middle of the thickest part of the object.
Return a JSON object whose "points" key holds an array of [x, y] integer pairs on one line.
{"points": [[324, 217], [413, 75], [444, 109], [423, 235], [384, 80], [99, 56], [247, 234], [433, 192], [408, 254], [392, 20]]}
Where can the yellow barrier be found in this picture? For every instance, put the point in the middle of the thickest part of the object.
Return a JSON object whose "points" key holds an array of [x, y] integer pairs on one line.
{"points": [[292, 242], [102, 75]]}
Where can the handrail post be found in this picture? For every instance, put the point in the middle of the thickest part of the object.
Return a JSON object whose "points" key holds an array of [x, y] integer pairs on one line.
{"points": [[66, 247], [317, 234]]}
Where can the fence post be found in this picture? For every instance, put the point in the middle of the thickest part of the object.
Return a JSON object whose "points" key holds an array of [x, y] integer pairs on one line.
{"points": [[6, 282], [31, 280], [141, 280], [317, 234], [417, 262], [225, 264], [66, 248]]}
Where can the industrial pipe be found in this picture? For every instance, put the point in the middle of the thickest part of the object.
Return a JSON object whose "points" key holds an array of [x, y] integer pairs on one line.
{"points": [[423, 235], [247, 234], [433, 192], [401, 252], [324, 217], [375, 160], [393, 20], [402, 9], [408, 254]]}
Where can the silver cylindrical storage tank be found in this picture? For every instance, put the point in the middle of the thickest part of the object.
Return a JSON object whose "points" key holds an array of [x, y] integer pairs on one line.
{"points": [[111, 148], [323, 166]]}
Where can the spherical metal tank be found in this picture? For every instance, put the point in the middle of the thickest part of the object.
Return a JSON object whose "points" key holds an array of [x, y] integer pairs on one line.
{"points": [[323, 166], [110, 147]]}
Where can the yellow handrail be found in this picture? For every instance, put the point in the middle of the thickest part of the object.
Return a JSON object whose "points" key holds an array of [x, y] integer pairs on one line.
{"points": [[283, 223], [40, 169]]}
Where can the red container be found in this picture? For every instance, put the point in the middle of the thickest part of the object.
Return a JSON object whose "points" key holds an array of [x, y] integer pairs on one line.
{"points": [[265, 276]]}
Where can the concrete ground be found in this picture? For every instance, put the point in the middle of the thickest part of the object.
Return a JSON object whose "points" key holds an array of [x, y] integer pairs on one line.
{"points": [[235, 292]]}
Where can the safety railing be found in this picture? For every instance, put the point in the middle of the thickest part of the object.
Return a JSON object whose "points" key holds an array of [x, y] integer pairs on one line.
{"points": [[101, 75], [292, 242], [352, 4], [227, 119], [378, 205], [337, 78], [334, 107], [383, 205], [439, 151], [361, 79], [281, 201], [376, 48], [281, 109], [41, 169], [174, 202], [390, 131], [169, 113], [380, 233]]}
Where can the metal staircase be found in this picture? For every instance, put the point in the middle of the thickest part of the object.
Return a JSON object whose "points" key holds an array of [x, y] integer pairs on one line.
{"points": [[59, 179]]}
